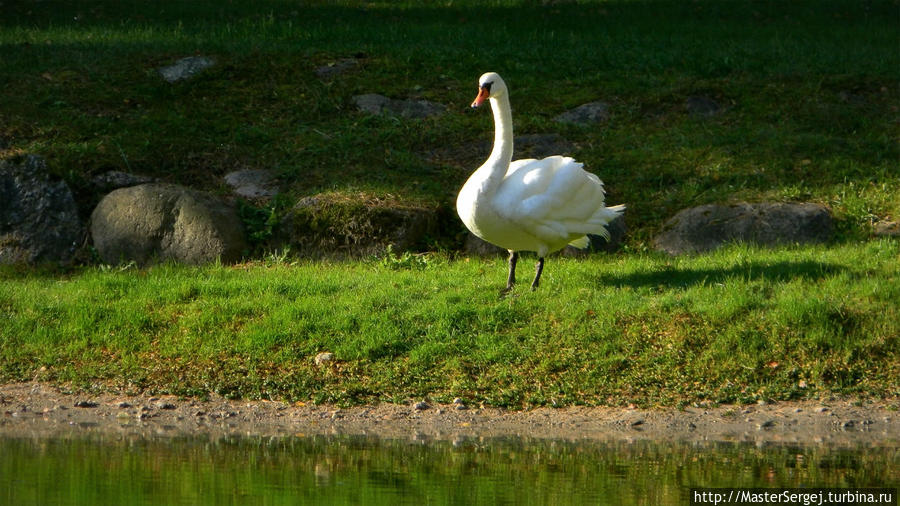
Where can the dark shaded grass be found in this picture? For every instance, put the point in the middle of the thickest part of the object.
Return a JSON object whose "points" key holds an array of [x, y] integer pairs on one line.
{"points": [[809, 92]]}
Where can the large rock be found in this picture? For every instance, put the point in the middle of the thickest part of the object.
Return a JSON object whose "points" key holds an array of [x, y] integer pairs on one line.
{"points": [[704, 228], [355, 226], [151, 222], [38, 216]]}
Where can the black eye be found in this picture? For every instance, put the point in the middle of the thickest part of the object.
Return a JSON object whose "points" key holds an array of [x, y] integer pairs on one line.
{"points": [[487, 85]]}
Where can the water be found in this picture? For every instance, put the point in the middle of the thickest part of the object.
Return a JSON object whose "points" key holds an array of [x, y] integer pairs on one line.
{"points": [[123, 470]]}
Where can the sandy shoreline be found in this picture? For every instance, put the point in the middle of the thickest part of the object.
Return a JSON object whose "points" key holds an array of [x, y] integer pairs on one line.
{"points": [[40, 410]]}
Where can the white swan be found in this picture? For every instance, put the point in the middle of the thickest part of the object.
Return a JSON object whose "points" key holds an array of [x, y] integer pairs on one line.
{"points": [[529, 205]]}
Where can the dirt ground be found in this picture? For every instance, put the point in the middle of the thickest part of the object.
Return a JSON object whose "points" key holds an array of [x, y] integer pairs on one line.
{"points": [[41, 410]]}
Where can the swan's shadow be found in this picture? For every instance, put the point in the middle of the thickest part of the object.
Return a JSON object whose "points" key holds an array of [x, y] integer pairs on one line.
{"points": [[672, 277]]}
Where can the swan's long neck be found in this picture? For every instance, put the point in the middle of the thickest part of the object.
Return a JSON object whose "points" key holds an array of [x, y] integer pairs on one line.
{"points": [[498, 162]]}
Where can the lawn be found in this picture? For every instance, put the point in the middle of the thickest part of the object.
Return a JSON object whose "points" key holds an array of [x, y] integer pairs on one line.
{"points": [[738, 325], [808, 93]]}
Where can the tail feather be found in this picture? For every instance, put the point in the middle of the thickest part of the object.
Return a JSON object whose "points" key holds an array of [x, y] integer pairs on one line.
{"points": [[600, 220], [581, 243]]}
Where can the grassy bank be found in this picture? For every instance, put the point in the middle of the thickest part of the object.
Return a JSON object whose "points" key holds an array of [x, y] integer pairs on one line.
{"points": [[735, 326], [808, 94]]}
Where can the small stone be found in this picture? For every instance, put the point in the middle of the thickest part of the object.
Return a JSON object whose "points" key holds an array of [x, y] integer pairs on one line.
{"points": [[113, 180], [849, 424], [165, 405], [420, 406], [252, 183], [586, 114], [821, 409], [324, 358], [373, 103], [336, 415], [185, 68], [86, 404], [457, 400], [124, 405], [637, 422], [766, 424], [336, 68]]}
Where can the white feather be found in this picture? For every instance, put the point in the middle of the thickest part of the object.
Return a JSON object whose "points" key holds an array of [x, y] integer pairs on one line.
{"points": [[531, 205]]}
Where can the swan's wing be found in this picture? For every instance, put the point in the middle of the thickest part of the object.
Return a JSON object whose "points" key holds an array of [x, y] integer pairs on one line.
{"points": [[553, 198]]}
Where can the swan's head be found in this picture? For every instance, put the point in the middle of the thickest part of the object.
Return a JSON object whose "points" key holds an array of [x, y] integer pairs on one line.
{"points": [[490, 85]]}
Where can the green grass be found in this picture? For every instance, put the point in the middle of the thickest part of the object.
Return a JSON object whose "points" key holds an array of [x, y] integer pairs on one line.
{"points": [[810, 91], [735, 326], [810, 88]]}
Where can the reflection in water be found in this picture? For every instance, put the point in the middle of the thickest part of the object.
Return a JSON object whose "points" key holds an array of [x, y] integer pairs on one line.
{"points": [[363, 470]]}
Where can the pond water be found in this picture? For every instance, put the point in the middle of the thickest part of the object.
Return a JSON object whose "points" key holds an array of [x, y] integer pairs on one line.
{"points": [[125, 470]]}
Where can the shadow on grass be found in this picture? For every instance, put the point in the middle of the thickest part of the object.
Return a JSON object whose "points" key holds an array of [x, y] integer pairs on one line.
{"points": [[672, 277]]}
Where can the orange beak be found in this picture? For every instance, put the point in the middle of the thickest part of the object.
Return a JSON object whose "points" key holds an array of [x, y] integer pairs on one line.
{"points": [[483, 93]]}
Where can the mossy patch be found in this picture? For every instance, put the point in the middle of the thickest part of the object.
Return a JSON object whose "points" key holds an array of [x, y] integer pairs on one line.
{"points": [[356, 225]]}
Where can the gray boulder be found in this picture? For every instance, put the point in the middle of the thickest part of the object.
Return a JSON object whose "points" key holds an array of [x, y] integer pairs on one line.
{"points": [[414, 109], [707, 227], [38, 217], [334, 225], [185, 68], [151, 222]]}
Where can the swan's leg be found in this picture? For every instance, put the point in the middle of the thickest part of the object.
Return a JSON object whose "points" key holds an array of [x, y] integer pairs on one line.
{"points": [[539, 268], [511, 278]]}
